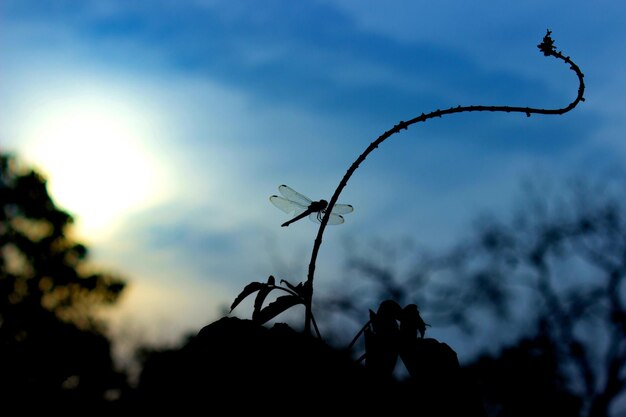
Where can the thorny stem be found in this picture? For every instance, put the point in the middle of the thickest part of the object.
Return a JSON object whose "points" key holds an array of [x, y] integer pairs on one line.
{"points": [[548, 49]]}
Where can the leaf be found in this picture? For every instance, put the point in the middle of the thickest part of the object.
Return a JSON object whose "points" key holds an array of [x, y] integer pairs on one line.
{"points": [[430, 360], [372, 315], [249, 289], [389, 310], [273, 309], [260, 297], [411, 322], [302, 289], [291, 286], [381, 352], [384, 321]]}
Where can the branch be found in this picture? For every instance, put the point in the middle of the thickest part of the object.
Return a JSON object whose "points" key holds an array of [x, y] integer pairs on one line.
{"points": [[548, 49]]}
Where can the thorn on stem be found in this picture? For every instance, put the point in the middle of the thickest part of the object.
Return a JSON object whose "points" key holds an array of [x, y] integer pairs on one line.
{"points": [[401, 125]]}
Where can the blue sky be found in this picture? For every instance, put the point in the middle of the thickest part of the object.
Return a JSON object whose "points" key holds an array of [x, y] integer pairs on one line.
{"points": [[165, 125]]}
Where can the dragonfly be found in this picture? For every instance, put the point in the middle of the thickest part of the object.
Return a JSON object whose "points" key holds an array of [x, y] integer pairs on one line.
{"points": [[301, 207]]}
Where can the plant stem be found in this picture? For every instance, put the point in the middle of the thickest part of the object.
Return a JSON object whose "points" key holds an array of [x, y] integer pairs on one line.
{"points": [[547, 47], [360, 332]]}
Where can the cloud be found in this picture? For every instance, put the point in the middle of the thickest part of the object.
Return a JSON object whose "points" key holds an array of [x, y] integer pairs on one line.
{"points": [[283, 55]]}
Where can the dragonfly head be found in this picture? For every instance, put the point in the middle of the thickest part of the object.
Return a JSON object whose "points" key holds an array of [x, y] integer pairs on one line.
{"points": [[323, 204]]}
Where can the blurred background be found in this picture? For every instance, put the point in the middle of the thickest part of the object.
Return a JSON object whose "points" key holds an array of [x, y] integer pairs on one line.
{"points": [[146, 138]]}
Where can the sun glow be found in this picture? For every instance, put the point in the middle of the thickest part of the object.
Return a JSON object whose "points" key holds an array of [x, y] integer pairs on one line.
{"points": [[98, 159]]}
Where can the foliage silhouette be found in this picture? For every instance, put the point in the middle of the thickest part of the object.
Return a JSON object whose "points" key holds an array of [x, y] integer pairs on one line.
{"points": [[555, 269], [51, 345], [392, 332], [53, 348], [525, 380], [249, 368]]}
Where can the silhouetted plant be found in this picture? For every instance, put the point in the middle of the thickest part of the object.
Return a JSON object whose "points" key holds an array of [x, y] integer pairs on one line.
{"points": [[260, 364], [392, 331], [551, 276], [303, 292]]}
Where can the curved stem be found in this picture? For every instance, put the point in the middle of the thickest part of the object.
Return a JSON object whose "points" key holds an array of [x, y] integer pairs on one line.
{"points": [[360, 332], [548, 49]]}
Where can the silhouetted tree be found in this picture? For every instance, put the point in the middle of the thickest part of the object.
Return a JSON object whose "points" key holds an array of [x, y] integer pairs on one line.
{"points": [[52, 350], [555, 270], [525, 380]]}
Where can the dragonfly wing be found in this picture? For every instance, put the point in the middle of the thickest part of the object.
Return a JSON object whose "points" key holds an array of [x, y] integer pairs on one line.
{"points": [[333, 219], [287, 205], [342, 209], [299, 211], [292, 195], [316, 216]]}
